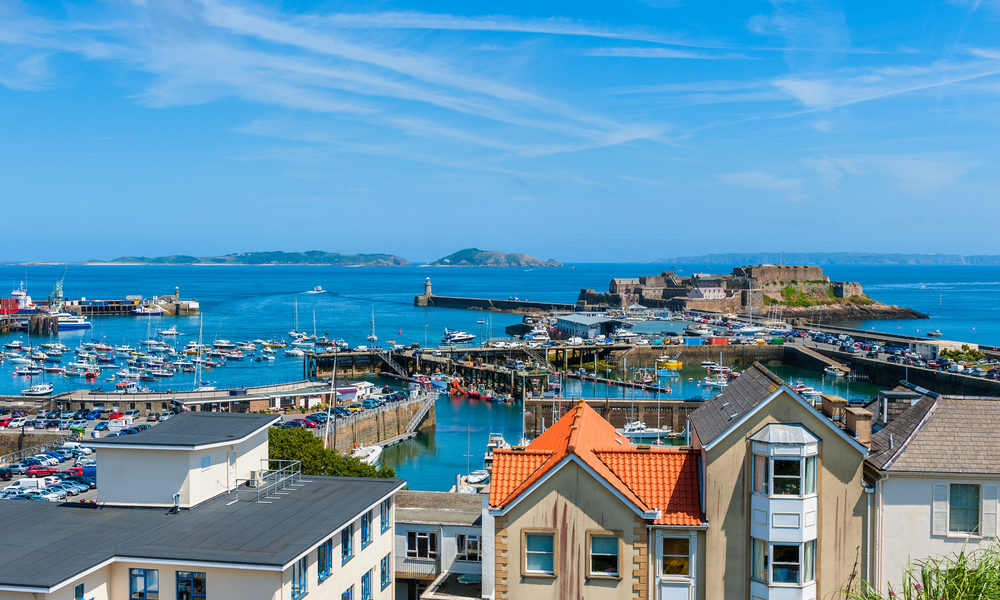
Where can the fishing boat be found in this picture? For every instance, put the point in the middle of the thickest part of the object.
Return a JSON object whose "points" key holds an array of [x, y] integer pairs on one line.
{"points": [[667, 373], [477, 477], [368, 454], [39, 389], [150, 310], [440, 381], [834, 371], [454, 336], [636, 431]]}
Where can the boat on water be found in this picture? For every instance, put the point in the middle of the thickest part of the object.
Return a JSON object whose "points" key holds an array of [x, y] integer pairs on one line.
{"points": [[638, 432], [67, 321], [39, 389], [935, 333], [368, 454], [834, 371], [496, 442], [55, 370], [455, 336], [699, 330], [170, 331], [478, 476], [294, 352], [538, 334], [151, 310], [714, 382], [27, 371], [14, 345], [667, 373], [317, 290], [440, 381]]}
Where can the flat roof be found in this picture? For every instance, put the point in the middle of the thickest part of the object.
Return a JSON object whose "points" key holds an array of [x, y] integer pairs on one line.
{"points": [[195, 429], [446, 508], [588, 319], [44, 544]]}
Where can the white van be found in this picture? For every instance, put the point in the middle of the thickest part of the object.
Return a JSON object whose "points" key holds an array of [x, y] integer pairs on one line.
{"points": [[28, 483]]}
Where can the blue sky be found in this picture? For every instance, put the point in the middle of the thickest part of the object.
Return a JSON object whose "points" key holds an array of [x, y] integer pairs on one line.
{"points": [[584, 131]]}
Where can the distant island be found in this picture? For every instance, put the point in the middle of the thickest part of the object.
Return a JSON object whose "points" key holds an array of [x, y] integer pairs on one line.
{"points": [[833, 258], [312, 257], [474, 257]]}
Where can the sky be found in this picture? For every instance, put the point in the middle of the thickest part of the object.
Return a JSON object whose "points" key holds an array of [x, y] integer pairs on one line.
{"points": [[582, 131]]}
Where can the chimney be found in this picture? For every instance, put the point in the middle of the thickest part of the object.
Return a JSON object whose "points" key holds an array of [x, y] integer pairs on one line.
{"points": [[833, 407], [859, 424]]}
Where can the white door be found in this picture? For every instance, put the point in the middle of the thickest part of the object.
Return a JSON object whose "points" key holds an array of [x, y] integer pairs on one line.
{"points": [[675, 566]]}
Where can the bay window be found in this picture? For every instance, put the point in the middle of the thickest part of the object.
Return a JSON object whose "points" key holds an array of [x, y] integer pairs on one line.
{"points": [[791, 564], [792, 476]]}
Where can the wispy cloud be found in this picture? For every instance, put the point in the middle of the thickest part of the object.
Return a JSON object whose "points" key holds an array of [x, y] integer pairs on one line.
{"points": [[911, 173], [664, 53]]}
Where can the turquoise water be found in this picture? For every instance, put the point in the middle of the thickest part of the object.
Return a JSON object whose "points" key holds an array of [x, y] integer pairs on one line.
{"points": [[240, 303]]}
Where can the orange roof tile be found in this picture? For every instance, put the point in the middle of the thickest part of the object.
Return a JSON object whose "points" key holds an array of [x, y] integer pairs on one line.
{"points": [[664, 479], [649, 479]]}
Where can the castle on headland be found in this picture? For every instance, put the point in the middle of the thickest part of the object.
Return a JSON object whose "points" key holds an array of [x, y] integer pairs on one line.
{"points": [[747, 287]]}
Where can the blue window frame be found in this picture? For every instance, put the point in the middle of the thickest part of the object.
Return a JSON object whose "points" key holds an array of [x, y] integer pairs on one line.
{"points": [[348, 594], [385, 514], [366, 529], [324, 559], [78, 592], [385, 569], [347, 544], [144, 584], [299, 570], [191, 585], [366, 586]]}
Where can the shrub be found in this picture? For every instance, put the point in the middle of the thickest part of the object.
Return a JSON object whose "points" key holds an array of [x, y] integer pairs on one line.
{"points": [[971, 575]]}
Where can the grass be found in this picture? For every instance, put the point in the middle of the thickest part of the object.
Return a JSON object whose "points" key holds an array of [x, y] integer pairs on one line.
{"points": [[973, 575]]}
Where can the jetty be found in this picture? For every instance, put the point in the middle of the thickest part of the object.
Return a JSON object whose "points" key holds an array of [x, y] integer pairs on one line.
{"points": [[510, 305]]}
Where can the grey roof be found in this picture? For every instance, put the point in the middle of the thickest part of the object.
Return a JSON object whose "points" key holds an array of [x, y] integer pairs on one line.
{"points": [[723, 410], [44, 543], [943, 434], [777, 433], [444, 508], [588, 319], [195, 429]]}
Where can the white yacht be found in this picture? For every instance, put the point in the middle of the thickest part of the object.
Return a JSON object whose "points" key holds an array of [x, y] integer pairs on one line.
{"points": [[39, 389], [636, 431], [368, 454], [170, 331], [538, 334], [454, 336]]}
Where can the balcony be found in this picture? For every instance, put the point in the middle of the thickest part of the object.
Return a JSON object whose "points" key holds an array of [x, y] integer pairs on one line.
{"points": [[417, 568]]}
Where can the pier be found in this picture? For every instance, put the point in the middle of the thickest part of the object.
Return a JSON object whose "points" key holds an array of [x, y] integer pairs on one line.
{"points": [[515, 305]]}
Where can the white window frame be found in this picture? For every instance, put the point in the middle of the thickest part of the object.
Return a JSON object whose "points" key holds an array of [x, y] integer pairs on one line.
{"points": [[524, 553], [462, 547], [941, 509], [616, 536], [769, 567], [803, 453], [414, 552]]}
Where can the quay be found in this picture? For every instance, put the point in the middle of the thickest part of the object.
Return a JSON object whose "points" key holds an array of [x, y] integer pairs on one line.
{"points": [[514, 305]]}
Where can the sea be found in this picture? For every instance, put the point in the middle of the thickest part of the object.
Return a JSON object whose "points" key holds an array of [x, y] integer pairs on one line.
{"points": [[247, 302]]}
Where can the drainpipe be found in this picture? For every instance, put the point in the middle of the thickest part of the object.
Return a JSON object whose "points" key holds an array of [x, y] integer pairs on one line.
{"points": [[650, 543], [868, 533]]}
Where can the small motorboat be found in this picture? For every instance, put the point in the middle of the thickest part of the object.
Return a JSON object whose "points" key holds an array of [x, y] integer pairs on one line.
{"points": [[636, 431], [477, 477], [935, 333], [368, 454], [39, 389], [833, 371], [317, 290], [170, 331]]}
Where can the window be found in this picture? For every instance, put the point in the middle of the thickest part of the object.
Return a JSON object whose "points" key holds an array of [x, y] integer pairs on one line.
{"points": [[299, 569], [760, 473], [421, 544], [366, 586], [539, 553], [468, 547], [963, 508], [366, 529], [787, 477], [810, 483], [347, 543], [206, 462], [78, 592], [604, 555], [385, 514], [785, 563], [143, 584], [191, 585], [348, 594], [385, 570], [676, 558], [758, 561], [324, 559]]}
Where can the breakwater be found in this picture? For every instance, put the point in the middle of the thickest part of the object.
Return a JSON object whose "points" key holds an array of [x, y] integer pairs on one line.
{"points": [[514, 305]]}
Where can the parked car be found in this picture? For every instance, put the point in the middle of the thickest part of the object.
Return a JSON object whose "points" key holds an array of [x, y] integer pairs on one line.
{"points": [[8, 494], [166, 415], [132, 412], [18, 468], [16, 423], [40, 470], [152, 417], [115, 415], [93, 415], [102, 426], [6, 474], [142, 427], [79, 423]]}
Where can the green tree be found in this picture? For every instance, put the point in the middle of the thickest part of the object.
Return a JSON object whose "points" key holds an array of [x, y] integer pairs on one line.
{"points": [[302, 445]]}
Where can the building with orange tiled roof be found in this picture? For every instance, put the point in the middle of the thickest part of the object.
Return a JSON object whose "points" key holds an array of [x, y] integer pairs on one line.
{"points": [[582, 513]]}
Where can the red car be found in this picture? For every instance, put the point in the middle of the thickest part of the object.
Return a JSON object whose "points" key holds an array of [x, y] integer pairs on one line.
{"points": [[4, 421], [306, 423], [40, 471], [72, 472], [115, 415]]}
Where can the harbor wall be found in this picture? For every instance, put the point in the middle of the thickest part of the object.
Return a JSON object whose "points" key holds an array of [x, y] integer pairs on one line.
{"points": [[889, 374], [373, 426], [491, 304], [732, 355]]}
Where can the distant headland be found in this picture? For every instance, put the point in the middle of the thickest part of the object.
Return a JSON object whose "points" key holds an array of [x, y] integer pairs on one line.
{"points": [[833, 258], [470, 257]]}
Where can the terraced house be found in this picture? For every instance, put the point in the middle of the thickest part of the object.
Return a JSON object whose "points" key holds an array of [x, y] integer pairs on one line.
{"points": [[581, 513], [192, 509]]}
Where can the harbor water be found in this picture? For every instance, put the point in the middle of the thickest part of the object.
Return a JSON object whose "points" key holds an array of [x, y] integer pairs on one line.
{"points": [[242, 303]]}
